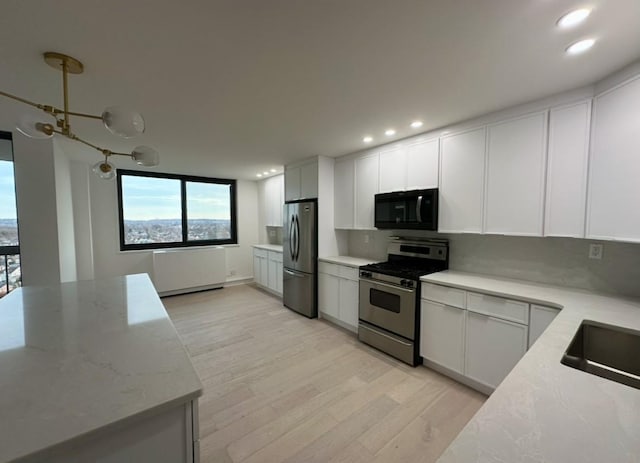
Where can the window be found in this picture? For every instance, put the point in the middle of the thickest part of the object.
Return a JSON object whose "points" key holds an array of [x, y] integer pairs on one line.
{"points": [[166, 210], [10, 270]]}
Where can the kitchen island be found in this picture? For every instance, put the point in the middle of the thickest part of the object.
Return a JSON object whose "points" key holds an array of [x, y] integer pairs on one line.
{"points": [[544, 411], [94, 371]]}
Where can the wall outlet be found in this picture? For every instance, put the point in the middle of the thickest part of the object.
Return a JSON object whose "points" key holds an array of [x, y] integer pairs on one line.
{"points": [[366, 238], [272, 233], [595, 251], [232, 273]]}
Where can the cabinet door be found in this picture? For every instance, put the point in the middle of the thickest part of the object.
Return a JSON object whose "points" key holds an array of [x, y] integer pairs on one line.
{"points": [[274, 188], [344, 172], [328, 295], [366, 187], [292, 183], [462, 182], [442, 335], [349, 302], [393, 170], [422, 165], [516, 160], [541, 318], [264, 272], [493, 347], [279, 277], [614, 186], [256, 268], [567, 170], [309, 181], [273, 275]]}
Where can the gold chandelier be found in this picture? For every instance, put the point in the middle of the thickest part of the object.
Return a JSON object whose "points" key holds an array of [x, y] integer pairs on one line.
{"points": [[119, 121]]}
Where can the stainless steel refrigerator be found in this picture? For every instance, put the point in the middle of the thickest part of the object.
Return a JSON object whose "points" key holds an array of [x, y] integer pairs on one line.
{"points": [[300, 256]]}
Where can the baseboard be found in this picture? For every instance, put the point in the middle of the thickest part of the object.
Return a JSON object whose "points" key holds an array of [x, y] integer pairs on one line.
{"points": [[237, 281]]}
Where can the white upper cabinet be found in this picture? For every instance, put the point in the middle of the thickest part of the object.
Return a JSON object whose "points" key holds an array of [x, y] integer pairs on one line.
{"points": [[301, 182], [567, 170], [393, 170], [462, 182], [366, 186], [614, 180], [273, 200], [422, 165], [344, 171], [516, 159]]}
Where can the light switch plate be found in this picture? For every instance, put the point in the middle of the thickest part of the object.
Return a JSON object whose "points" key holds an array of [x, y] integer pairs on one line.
{"points": [[595, 251]]}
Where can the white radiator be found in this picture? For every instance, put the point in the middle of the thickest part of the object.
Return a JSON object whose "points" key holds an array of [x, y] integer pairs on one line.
{"points": [[178, 271]]}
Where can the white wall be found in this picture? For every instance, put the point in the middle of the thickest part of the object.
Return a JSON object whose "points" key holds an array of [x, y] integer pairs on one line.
{"points": [[37, 210], [108, 260], [64, 210]]}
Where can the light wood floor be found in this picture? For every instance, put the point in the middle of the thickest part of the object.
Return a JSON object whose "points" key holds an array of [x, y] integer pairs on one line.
{"points": [[280, 387]]}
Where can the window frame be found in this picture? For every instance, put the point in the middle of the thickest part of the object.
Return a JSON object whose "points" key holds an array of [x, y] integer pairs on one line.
{"points": [[185, 243]]}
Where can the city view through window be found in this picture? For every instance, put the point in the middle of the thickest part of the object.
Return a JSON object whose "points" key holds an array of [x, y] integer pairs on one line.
{"points": [[10, 272], [152, 211]]}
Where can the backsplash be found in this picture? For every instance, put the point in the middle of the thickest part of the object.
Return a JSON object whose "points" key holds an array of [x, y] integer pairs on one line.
{"points": [[556, 261]]}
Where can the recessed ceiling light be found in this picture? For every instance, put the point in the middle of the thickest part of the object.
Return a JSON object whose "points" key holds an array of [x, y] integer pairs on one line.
{"points": [[258, 175], [265, 173], [416, 124], [389, 132], [573, 18], [580, 47], [273, 170], [367, 139]]}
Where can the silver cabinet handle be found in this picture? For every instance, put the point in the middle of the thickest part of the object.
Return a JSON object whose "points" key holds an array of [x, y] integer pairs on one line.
{"points": [[419, 209]]}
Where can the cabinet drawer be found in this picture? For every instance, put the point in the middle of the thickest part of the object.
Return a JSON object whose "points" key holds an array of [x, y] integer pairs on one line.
{"points": [[350, 273], [506, 309], [275, 256], [444, 295], [330, 269], [257, 252]]}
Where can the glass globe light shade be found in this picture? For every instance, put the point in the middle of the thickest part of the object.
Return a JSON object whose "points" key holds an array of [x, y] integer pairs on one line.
{"points": [[123, 122], [145, 156], [104, 169], [31, 124]]}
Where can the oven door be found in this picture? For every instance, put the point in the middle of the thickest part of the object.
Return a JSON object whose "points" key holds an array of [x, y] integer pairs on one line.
{"points": [[389, 307]]}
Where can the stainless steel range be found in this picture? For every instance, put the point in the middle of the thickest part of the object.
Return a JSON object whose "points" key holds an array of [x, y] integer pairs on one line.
{"points": [[389, 305]]}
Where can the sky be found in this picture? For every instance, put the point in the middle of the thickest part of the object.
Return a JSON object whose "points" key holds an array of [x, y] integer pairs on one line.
{"points": [[148, 198], [7, 191]]}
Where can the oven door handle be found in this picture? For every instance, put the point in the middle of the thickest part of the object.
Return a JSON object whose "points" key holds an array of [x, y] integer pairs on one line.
{"points": [[419, 209], [385, 285]]}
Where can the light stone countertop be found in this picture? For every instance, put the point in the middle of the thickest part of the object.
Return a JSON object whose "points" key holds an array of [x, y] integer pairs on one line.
{"points": [[269, 247], [80, 358], [347, 260], [545, 411]]}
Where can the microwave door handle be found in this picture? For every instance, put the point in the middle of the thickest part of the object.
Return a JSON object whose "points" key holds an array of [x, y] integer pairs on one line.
{"points": [[419, 209]]}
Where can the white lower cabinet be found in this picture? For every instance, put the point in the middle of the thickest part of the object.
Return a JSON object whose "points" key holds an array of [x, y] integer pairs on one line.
{"points": [[540, 318], [493, 347], [267, 269], [328, 297], [442, 335], [477, 338], [338, 294]]}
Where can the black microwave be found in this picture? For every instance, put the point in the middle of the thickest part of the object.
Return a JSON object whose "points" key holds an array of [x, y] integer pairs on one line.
{"points": [[405, 210]]}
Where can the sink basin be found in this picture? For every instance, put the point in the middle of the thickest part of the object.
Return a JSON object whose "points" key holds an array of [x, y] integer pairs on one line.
{"points": [[608, 351]]}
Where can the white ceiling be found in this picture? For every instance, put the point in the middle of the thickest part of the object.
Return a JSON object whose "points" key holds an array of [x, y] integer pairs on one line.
{"points": [[229, 88]]}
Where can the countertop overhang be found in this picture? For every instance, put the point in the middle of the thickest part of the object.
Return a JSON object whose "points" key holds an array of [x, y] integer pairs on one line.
{"points": [[84, 357], [545, 411]]}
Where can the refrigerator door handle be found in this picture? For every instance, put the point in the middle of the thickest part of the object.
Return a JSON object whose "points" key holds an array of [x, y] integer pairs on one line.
{"points": [[291, 225], [297, 238], [419, 209], [293, 274]]}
